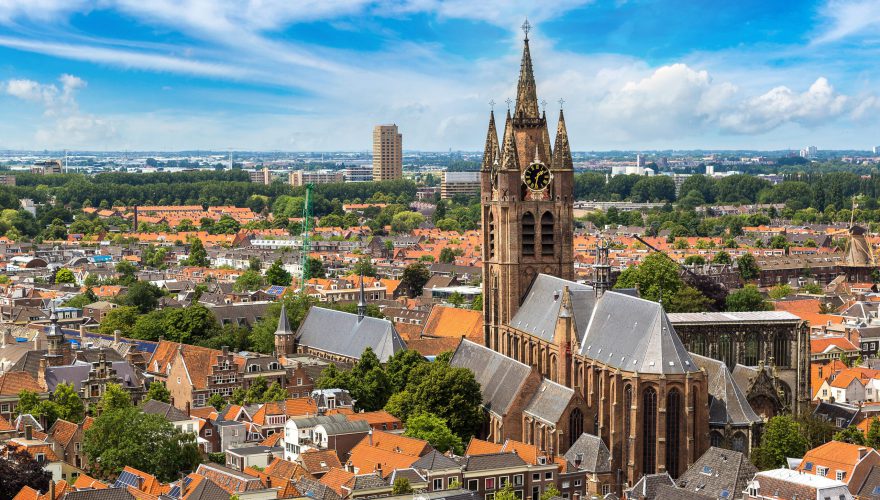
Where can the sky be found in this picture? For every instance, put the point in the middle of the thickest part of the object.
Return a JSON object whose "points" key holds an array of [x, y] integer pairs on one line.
{"points": [[317, 75]]}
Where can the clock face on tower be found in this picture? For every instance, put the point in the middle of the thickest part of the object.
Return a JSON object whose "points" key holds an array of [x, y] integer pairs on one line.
{"points": [[537, 176]]}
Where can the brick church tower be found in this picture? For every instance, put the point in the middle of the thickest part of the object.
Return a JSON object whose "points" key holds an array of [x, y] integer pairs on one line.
{"points": [[527, 204]]}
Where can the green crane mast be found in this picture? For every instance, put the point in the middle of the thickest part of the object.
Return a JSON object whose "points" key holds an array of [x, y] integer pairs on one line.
{"points": [[306, 238]]}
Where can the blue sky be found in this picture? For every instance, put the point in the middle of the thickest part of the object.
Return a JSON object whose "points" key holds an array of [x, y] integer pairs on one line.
{"points": [[318, 74]]}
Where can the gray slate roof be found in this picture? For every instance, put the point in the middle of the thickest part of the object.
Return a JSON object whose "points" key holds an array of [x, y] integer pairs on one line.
{"points": [[539, 311], [734, 317], [493, 461], [341, 333], [727, 403], [207, 490], [434, 460], [347, 427], [105, 494], [718, 470], [549, 402], [500, 377], [635, 335], [78, 373], [646, 487], [594, 455], [171, 413]]}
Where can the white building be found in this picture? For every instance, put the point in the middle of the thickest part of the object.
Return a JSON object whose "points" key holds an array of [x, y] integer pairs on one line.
{"points": [[299, 433], [809, 152], [358, 173]]}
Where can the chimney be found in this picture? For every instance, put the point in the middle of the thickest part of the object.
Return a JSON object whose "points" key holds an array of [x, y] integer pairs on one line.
{"points": [[172, 400], [116, 334], [82, 333], [225, 350], [52, 489], [41, 374], [28, 432], [379, 470], [862, 453], [370, 434], [188, 409]]}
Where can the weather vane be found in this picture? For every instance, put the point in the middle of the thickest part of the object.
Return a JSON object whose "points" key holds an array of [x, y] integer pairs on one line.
{"points": [[492, 104], [508, 101], [561, 102], [544, 105], [526, 27]]}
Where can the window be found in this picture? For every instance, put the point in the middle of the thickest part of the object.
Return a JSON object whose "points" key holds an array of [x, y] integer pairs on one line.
{"points": [[518, 494], [566, 484], [490, 483], [528, 234], [821, 471], [649, 430], [825, 392], [606, 489], [536, 493], [299, 381], [502, 481], [490, 496], [438, 484], [673, 431], [178, 380], [548, 476], [209, 432], [577, 483], [473, 484], [4, 408], [536, 477], [840, 475], [517, 479], [547, 234], [808, 466], [627, 421], [575, 425]]}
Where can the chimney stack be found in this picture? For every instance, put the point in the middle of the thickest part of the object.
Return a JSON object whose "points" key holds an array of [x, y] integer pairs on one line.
{"points": [[52, 489], [116, 334], [188, 409], [82, 333], [41, 374], [28, 432]]}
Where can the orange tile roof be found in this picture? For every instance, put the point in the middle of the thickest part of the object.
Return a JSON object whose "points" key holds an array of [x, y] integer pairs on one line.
{"points": [[375, 417], [836, 456], [480, 447], [63, 431], [27, 493], [5, 425], [335, 479], [367, 459], [807, 310], [843, 380], [453, 322], [818, 346], [287, 470], [272, 440], [320, 460], [11, 383], [85, 482], [395, 442]]}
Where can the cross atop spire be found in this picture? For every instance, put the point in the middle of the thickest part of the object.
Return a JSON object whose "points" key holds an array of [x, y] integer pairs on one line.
{"points": [[526, 27]]}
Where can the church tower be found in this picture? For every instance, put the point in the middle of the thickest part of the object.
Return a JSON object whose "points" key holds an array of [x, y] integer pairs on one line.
{"points": [[527, 203]]}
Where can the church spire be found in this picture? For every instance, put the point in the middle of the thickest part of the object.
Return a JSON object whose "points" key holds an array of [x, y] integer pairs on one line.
{"points": [[509, 157], [526, 91], [491, 150], [283, 322], [562, 150]]}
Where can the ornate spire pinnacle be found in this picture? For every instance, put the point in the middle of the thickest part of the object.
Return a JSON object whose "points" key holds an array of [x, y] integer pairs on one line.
{"points": [[283, 322], [490, 152], [509, 157], [362, 301], [562, 149], [526, 91], [565, 309]]}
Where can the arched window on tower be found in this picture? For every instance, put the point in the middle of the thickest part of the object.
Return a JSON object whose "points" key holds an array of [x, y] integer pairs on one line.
{"points": [[649, 431], [528, 234], [491, 235], [575, 425], [627, 422], [754, 349], [725, 350], [781, 354], [548, 231], [673, 431]]}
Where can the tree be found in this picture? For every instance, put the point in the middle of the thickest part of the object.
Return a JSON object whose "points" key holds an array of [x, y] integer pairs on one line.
{"points": [[686, 299], [414, 278], [114, 398], [238, 396], [401, 487], [505, 493], [447, 255], [448, 392], [873, 437], [198, 256], [83, 299], [655, 277], [248, 281], [65, 275], [262, 336], [275, 393], [722, 257], [456, 299], [694, 260], [551, 492], [364, 267], [851, 435], [782, 438], [400, 365], [19, 469], [748, 298], [433, 429], [158, 392], [277, 275], [748, 267], [127, 272], [217, 402], [316, 268], [780, 291], [127, 436], [477, 304], [69, 406], [142, 295], [405, 222], [121, 318]]}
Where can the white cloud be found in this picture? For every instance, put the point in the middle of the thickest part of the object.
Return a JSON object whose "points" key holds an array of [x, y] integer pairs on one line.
{"points": [[848, 17]]}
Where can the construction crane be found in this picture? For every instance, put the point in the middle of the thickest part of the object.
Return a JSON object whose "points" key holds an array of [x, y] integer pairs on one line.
{"points": [[716, 292], [306, 238]]}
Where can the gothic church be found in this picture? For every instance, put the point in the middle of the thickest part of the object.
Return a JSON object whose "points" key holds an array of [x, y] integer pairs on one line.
{"points": [[630, 379]]}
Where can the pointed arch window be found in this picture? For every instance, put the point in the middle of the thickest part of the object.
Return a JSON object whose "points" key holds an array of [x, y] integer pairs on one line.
{"points": [[725, 350], [627, 422], [754, 349], [781, 354], [575, 425], [649, 431], [548, 234], [673, 431], [528, 234], [491, 235]]}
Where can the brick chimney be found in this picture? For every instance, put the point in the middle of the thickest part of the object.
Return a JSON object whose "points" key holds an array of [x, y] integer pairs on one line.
{"points": [[52, 489], [28, 432], [188, 409], [41, 374]]}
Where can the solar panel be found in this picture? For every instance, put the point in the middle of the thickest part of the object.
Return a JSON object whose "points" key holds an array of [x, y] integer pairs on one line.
{"points": [[127, 479], [876, 490], [174, 491], [808, 466]]}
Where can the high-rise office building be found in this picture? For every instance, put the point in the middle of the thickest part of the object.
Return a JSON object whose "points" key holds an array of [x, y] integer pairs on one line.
{"points": [[387, 153]]}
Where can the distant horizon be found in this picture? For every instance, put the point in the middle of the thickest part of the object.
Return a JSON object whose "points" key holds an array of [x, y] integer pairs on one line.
{"points": [[631, 75]]}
